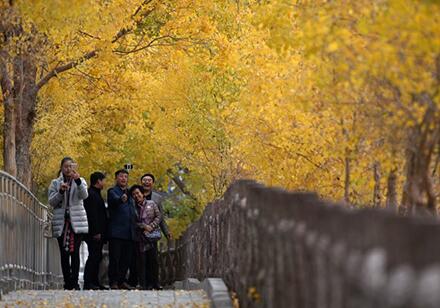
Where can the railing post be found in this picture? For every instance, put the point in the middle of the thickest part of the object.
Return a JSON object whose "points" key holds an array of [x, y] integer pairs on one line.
{"points": [[24, 250]]}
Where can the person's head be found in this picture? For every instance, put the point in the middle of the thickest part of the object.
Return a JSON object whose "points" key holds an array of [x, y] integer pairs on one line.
{"points": [[121, 177], [137, 192], [66, 166], [97, 179], [147, 181]]}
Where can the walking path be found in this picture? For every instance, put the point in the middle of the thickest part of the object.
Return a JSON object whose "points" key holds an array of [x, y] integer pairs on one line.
{"points": [[109, 299]]}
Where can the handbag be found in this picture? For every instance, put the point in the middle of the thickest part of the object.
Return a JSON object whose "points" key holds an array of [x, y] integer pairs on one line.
{"points": [[154, 235]]}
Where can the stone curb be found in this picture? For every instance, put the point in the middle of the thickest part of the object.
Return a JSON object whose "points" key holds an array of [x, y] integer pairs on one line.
{"points": [[214, 287]]}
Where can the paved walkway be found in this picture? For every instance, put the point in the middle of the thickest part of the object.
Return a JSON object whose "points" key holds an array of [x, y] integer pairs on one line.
{"points": [[108, 299]]}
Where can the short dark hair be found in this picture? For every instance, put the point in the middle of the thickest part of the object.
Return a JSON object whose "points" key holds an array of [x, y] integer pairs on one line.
{"points": [[150, 175], [95, 177], [120, 171], [134, 187]]}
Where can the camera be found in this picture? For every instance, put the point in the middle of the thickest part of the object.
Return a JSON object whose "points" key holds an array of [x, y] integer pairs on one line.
{"points": [[128, 166]]}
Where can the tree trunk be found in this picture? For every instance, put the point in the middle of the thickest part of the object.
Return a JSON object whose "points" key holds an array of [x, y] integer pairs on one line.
{"points": [[26, 101], [418, 193], [347, 179], [9, 116], [9, 162], [391, 202], [19, 98], [377, 198]]}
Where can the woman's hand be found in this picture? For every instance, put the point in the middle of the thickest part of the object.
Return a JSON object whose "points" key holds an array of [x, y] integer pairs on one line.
{"points": [[64, 187], [75, 175], [148, 228], [141, 226]]}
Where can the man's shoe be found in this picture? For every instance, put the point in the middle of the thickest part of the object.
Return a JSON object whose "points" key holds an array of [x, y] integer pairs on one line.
{"points": [[91, 286], [157, 287], [76, 287], [101, 287], [67, 287], [114, 286], [125, 286]]}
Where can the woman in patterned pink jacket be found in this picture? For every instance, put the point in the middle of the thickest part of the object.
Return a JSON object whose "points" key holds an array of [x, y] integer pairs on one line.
{"points": [[148, 220]]}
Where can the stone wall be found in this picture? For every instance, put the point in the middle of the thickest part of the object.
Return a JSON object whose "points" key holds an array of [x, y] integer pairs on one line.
{"points": [[285, 249]]}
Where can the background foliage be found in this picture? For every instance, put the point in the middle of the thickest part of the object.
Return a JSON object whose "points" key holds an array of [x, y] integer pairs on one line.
{"points": [[330, 96]]}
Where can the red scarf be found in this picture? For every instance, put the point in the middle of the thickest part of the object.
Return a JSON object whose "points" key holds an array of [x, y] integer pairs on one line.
{"points": [[69, 235]]}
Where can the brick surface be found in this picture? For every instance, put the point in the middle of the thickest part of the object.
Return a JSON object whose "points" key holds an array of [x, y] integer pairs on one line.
{"points": [[110, 299]]}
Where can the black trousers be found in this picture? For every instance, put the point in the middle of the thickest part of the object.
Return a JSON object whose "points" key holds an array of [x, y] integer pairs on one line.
{"points": [[133, 278], [120, 254], [70, 262], [137, 268], [144, 267], [152, 266], [91, 269]]}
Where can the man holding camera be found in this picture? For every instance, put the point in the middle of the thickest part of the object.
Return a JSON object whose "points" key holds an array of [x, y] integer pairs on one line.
{"points": [[121, 230]]}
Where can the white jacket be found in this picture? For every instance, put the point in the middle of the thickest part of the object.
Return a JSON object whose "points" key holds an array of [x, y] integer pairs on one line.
{"points": [[78, 215]]}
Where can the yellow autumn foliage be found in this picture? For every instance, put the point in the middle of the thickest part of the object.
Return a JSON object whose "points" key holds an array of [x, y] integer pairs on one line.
{"points": [[290, 95]]}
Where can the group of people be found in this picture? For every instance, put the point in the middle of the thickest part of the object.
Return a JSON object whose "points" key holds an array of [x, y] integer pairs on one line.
{"points": [[131, 223]]}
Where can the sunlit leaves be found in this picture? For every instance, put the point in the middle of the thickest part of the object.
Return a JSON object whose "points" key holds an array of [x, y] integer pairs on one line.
{"points": [[284, 93]]}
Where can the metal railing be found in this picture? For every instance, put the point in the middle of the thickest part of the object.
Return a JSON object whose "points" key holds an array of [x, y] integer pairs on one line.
{"points": [[29, 259]]}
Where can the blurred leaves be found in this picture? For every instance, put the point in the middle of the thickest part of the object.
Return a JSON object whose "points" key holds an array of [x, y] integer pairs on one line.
{"points": [[268, 90]]}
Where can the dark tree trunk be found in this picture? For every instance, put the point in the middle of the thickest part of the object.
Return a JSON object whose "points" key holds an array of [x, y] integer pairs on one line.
{"points": [[391, 202], [418, 192], [377, 197], [347, 179], [9, 163], [19, 99], [26, 101]]}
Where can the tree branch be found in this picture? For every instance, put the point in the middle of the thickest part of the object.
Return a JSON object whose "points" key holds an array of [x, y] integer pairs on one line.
{"points": [[121, 33], [146, 2], [150, 44], [160, 41], [89, 35], [397, 98], [62, 68], [125, 31], [5, 81], [65, 67], [305, 157], [180, 184]]}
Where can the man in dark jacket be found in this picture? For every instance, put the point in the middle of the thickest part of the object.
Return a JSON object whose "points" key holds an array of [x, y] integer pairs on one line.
{"points": [[97, 219], [121, 230]]}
